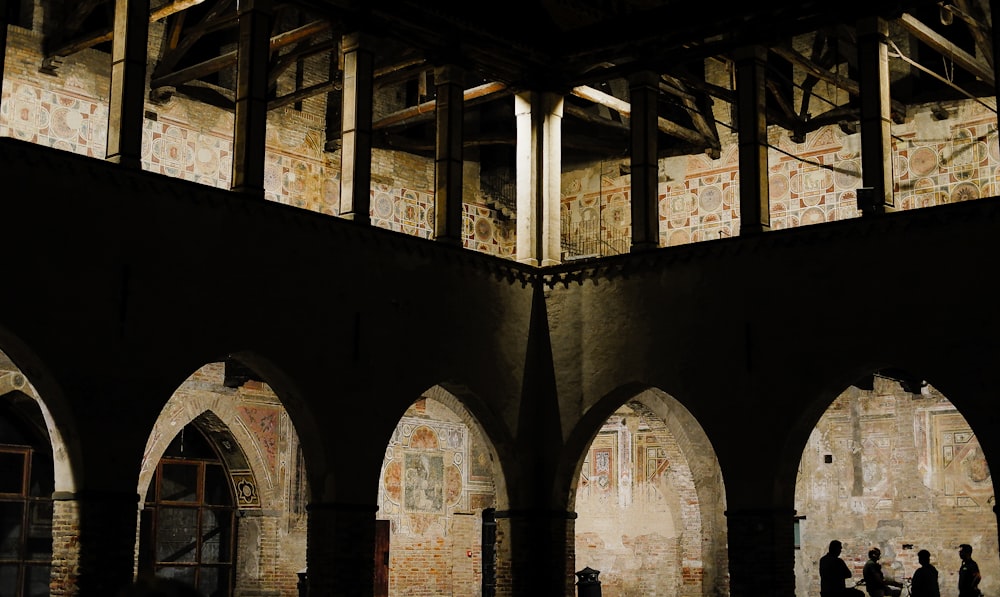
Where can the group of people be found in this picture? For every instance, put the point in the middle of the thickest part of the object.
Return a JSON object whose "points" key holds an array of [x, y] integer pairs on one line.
{"points": [[834, 572]]}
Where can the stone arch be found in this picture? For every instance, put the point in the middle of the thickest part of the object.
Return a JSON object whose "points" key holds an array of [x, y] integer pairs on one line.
{"points": [[214, 409], [685, 473], [254, 436], [893, 463], [440, 474], [18, 377]]}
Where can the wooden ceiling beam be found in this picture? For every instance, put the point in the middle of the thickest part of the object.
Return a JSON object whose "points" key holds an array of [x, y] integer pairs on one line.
{"points": [[946, 48], [213, 65], [625, 109], [425, 111]]}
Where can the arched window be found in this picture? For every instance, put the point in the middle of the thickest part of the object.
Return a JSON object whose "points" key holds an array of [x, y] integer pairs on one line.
{"points": [[26, 486], [189, 520]]}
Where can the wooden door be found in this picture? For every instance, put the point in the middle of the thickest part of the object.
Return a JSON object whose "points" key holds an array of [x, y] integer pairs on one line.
{"points": [[381, 558]]}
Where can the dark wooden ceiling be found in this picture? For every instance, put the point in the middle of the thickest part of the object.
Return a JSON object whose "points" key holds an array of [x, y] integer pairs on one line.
{"points": [[584, 49]]}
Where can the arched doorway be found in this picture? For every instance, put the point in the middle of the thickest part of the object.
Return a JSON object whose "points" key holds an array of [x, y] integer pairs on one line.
{"points": [[188, 523], [26, 486], [893, 464], [436, 501], [650, 503]]}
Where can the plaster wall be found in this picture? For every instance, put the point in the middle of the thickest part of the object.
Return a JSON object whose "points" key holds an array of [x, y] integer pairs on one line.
{"points": [[900, 471]]}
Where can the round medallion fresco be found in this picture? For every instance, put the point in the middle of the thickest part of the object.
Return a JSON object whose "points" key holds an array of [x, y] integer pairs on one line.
{"points": [[923, 161], [710, 198], [965, 191]]}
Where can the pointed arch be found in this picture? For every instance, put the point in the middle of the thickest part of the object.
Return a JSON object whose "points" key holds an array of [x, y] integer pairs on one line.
{"points": [[893, 463], [440, 481], [694, 489]]}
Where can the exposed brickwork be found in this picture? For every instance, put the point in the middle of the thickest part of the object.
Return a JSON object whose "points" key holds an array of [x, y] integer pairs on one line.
{"points": [[65, 548]]}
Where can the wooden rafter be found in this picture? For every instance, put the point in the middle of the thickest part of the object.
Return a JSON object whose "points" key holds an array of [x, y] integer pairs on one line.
{"points": [[624, 108], [304, 93], [283, 62], [946, 48], [847, 84], [218, 16], [107, 34], [425, 111], [222, 61], [701, 115], [973, 15]]}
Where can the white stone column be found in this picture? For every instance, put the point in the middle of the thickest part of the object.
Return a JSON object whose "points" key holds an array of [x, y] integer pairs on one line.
{"points": [[539, 169]]}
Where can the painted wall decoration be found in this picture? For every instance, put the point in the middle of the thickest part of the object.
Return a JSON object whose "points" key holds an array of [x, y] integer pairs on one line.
{"points": [[425, 474]]}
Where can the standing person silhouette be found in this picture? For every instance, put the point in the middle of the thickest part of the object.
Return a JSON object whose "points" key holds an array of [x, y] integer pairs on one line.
{"points": [[925, 578], [875, 582], [833, 572], [968, 573]]}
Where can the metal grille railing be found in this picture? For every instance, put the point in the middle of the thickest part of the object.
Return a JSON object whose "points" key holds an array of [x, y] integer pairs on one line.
{"points": [[588, 239]]}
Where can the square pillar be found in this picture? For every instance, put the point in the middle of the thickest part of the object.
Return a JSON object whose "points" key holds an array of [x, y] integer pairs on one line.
{"points": [[448, 158], [751, 122], [539, 168], [128, 81], [250, 127], [876, 133], [644, 90], [340, 549], [356, 129]]}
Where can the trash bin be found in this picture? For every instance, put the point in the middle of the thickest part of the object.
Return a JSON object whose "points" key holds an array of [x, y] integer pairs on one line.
{"points": [[587, 583]]}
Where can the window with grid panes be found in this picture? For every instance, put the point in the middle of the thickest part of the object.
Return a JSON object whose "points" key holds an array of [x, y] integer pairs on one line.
{"points": [[189, 520], [26, 484]]}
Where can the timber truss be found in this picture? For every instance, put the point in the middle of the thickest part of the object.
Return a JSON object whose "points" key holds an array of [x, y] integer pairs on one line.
{"points": [[585, 50]]}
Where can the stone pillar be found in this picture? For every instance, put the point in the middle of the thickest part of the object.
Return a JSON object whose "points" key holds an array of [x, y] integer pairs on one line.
{"points": [[537, 550], [340, 549], [761, 552], [448, 160], [356, 129], [333, 105], [105, 538], [644, 89], [751, 122], [995, 39], [876, 133], [65, 547], [539, 164], [250, 126], [255, 558], [4, 22], [128, 82]]}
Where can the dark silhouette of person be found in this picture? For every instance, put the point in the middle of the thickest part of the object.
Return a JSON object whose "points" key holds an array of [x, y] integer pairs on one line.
{"points": [[925, 578], [968, 573], [875, 582], [833, 572]]}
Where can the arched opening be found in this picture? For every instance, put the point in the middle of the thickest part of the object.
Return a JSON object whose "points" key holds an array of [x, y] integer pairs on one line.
{"points": [[248, 445], [650, 503], [27, 482], [893, 464], [188, 522], [437, 495]]}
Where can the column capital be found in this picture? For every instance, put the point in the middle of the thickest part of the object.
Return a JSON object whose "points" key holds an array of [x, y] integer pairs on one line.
{"points": [[644, 78], [356, 41], [446, 74], [754, 52], [873, 26]]}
